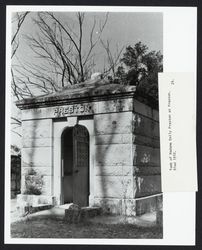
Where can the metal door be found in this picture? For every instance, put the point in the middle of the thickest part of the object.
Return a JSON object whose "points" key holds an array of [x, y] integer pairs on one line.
{"points": [[81, 165]]}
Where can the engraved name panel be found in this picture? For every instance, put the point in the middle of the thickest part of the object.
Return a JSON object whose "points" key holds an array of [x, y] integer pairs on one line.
{"points": [[75, 109]]}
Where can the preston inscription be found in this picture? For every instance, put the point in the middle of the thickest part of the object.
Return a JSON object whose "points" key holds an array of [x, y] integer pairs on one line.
{"points": [[77, 109]]}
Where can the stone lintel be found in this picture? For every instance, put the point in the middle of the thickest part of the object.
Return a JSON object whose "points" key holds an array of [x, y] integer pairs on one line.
{"points": [[78, 109]]}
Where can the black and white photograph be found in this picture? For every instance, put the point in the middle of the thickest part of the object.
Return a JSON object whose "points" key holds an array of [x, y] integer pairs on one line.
{"points": [[85, 151]]}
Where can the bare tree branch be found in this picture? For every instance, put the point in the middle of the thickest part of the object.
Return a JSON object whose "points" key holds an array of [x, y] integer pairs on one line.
{"points": [[113, 60], [20, 20]]}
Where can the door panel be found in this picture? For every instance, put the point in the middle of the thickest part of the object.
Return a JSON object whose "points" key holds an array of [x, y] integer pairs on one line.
{"points": [[67, 189], [67, 166], [81, 165]]}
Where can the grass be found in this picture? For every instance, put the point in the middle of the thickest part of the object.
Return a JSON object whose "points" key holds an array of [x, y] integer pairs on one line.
{"points": [[50, 228]]}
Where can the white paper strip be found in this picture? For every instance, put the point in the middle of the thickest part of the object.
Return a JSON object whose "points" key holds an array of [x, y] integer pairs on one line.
{"points": [[178, 131]]}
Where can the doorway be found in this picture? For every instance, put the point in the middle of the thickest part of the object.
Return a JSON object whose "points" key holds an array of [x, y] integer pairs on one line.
{"points": [[75, 165]]}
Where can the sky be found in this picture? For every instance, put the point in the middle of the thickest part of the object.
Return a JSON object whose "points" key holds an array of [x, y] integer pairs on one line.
{"points": [[122, 29]]}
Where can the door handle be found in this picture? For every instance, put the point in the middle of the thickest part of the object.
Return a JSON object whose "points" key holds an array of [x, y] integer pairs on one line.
{"points": [[76, 171]]}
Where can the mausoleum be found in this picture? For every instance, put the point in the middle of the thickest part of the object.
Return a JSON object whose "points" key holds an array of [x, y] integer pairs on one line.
{"points": [[92, 144]]}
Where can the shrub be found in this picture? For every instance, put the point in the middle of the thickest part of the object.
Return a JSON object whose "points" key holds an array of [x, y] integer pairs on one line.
{"points": [[33, 182]]}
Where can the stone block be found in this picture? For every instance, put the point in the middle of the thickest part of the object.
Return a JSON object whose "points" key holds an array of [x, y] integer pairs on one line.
{"points": [[109, 205], [129, 207], [126, 207], [113, 154], [145, 110], [114, 123], [147, 170], [39, 113], [37, 157], [37, 129], [146, 205], [145, 141], [155, 114], [107, 106], [113, 170], [34, 200], [145, 126], [47, 185], [113, 139], [116, 105], [72, 215], [147, 185], [37, 142], [39, 170], [144, 155], [114, 186]]}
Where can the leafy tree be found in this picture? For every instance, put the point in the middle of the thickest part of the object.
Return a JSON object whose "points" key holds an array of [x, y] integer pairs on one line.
{"points": [[140, 68]]}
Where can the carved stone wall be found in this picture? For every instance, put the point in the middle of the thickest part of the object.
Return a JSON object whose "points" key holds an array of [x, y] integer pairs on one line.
{"points": [[37, 152], [125, 164]]}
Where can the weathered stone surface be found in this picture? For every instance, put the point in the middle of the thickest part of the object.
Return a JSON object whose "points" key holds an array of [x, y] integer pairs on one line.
{"points": [[146, 205], [125, 207], [23, 187], [97, 90], [37, 157], [37, 142], [114, 186], [129, 207], [81, 109], [47, 185], [114, 123], [145, 126], [90, 212], [34, 199], [147, 170], [114, 154], [40, 170], [145, 141], [124, 138], [37, 129], [145, 110], [72, 215], [143, 155], [113, 170], [113, 139], [109, 205], [40, 113], [117, 105], [147, 185], [31, 209]]}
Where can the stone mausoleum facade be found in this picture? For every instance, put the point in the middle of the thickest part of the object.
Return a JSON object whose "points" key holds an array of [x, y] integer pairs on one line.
{"points": [[93, 144]]}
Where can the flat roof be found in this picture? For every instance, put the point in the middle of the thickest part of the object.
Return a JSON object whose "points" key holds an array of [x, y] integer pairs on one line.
{"points": [[91, 90]]}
